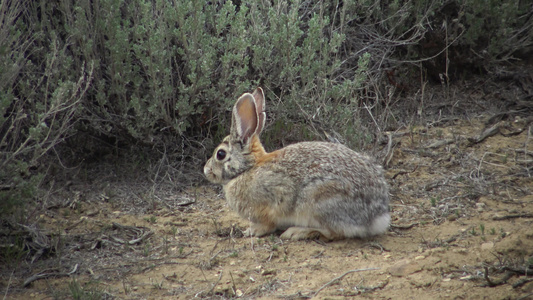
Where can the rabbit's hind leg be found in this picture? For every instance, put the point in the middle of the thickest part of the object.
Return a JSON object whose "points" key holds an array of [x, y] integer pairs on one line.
{"points": [[308, 233], [257, 229]]}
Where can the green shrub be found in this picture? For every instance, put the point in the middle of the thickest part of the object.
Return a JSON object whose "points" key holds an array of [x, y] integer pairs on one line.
{"points": [[496, 29], [474, 37], [160, 62], [40, 98]]}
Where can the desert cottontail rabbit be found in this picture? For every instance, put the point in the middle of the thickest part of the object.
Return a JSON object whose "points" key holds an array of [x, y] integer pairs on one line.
{"points": [[308, 189]]}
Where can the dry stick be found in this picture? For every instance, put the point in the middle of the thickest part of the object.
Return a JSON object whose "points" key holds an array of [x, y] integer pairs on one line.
{"points": [[214, 256], [525, 145], [214, 284], [409, 226], [525, 296], [404, 172], [499, 218], [340, 277], [491, 283], [389, 153], [45, 275], [8, 284], [486, 275], [485, 134], [377, 246], [520, 271], [521, 282], [440, 143], [233, 284]]}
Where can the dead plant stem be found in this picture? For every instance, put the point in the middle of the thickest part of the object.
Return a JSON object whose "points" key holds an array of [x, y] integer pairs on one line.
{"points": [[340, 277], [8, 284]]}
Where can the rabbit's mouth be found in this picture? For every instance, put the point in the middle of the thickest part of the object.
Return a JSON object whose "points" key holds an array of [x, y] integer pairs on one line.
{"points": [[208, 172], [213, 174]]}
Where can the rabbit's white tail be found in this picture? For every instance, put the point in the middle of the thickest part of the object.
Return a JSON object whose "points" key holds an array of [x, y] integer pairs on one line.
{"points": [[378, 226]]}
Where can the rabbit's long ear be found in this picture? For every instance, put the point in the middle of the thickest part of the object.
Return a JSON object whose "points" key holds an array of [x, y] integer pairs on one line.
{"points": [[244, 120], [259, 98]]}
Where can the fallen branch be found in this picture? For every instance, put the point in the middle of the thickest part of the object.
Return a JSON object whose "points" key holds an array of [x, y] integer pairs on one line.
{"points": [[389, 153], [507, 217], [143, 237], [377, 246], [486, 133], [214, 285], [404, 172], [340, 277], [450, 239], [71, 226], [521, 282], [6, 187], [186, 203], [47, 275], [525, 297], [500, 116], [377, 287], [440, 143], [404, 227], [525, 151], [499, 282], [9, 284], [527, 271], [125, 227]]}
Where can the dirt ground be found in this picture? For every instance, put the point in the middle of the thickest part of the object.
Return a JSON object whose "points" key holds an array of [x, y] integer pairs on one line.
{"points": [[462, 214]]}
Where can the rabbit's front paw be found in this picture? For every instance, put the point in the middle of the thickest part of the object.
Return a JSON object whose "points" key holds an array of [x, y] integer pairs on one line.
{"points": [[306, 233], [259, 230]]}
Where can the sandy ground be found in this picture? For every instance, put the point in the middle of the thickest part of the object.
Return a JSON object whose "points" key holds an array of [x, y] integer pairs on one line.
{"points": [[462, 214]]}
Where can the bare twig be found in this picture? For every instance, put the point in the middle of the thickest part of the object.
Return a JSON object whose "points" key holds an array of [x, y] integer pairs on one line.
{"points": [[214, 285], [340, 277], [525, 297], [521, 282], [389, 153], [373, 288], [486, 133], [143, 237], [499, 282], [440, 143], [527, 271], [409, 226], [486, 276], [404, 172], [507, 217], [8, 284], [46, 275], [377, 246]]}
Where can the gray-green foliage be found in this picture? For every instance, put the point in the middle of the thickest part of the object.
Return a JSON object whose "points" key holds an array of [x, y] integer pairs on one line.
{"points": [[172, 65], [160, 61], [497, 28], [38, 102]]}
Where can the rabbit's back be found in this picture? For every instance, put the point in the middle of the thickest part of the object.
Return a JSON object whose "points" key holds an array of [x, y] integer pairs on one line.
{"points": [[315, 160]]}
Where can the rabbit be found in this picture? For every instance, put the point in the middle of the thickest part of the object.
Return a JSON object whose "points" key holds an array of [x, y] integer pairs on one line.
{"points": [[309, 189]]}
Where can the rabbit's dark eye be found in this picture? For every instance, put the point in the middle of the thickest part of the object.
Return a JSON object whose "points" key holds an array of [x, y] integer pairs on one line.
{"points": [[221, 154]]}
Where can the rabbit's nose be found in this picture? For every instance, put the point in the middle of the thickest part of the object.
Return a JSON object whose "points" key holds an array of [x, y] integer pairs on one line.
{"points": [[208, 172]]}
